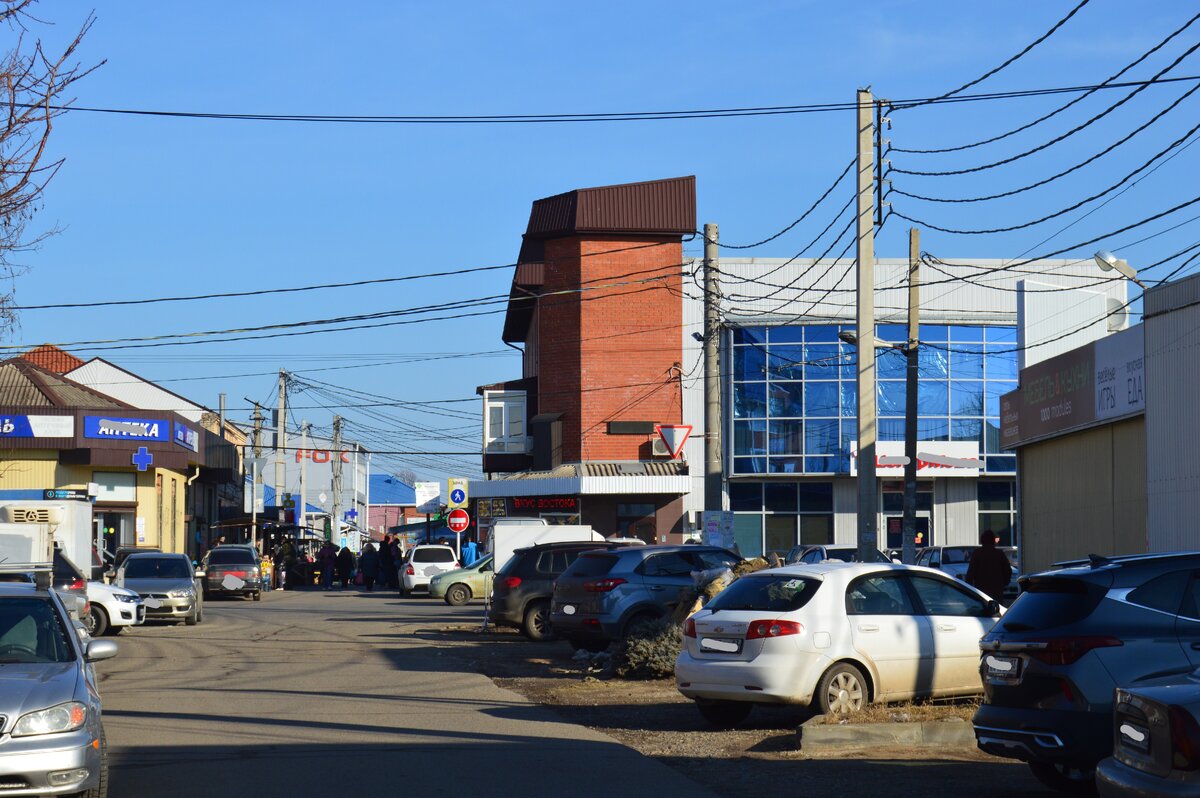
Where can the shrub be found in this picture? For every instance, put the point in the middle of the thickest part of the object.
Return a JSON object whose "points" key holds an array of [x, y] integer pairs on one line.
{"points": [[649, 651]]}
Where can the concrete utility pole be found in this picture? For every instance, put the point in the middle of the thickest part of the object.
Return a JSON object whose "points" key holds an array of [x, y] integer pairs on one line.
{"points": [[868, 490], [909, 524], [305, 454], [713, 499], [281, 442], [335, 527], [254, 475]]}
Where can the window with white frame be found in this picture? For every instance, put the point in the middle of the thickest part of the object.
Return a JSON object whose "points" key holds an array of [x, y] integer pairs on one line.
{"points": [[504, 421]]}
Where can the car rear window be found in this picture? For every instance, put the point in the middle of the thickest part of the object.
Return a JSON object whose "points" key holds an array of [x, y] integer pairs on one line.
{"points": [[222, 556], [157, 568], [591, 565], [1049, 602], [775, 593], [433, 555]]}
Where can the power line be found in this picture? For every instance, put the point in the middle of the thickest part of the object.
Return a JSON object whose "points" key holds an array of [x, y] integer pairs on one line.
{"points": [[1021, 53], [1056, 111], [1069, 133]]}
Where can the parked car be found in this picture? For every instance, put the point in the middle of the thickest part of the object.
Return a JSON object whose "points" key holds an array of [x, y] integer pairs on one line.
{"points": [[111, 609], [843, 552], [53, 738], [422, 563], [834, 635], [167, 585], [954, 561], [603, 594], [71, 585], [522, 591], [1050, 667], [125, 551], [463, 584], [232, 570], [1156, 741]]}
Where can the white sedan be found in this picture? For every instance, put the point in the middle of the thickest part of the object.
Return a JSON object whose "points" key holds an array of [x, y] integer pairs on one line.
{"points": [[834, 635], [112, 609]]}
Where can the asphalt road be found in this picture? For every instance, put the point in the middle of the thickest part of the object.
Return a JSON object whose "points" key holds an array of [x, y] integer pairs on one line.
{"points": [[316, 694]]}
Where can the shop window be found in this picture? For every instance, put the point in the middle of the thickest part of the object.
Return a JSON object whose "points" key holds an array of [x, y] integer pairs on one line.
{"points": [[747, 534], [787, 465], [1000, 335], [966, 398], [786, 362], [966, 365], [816, 530], [816, 497], [890, 364], [749, 363], [821, 437], [115, 486], [749, 335], [933, 398], [933, 429], [786, 334], [786, 437], [786, 399], [749, 399], [932, 364], [996, 509], [821, 399], [938, 333], [965, 333], [636, 521], [780, 497], [745, 496], [822, 361], [891, 398], [780, 534]]}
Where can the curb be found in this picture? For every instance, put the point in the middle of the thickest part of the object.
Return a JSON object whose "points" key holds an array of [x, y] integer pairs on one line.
{"points": [[816, 736]]}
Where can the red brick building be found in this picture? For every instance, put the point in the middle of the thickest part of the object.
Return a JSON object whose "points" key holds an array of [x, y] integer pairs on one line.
{"points": [[596, 305]]}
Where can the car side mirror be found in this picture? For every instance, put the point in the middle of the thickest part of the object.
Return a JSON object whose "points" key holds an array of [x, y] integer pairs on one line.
{"points": [[993, 608], [100, 649]]}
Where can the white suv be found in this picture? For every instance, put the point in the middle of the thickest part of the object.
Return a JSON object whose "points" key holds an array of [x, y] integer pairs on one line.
{"points": [[422, 563]]}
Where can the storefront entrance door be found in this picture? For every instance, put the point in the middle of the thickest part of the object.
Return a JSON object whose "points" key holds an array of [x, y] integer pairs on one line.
{"points": [[895, 531], [115, 528]]}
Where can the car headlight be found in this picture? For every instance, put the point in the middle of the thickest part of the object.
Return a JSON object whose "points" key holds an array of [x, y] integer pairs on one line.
{"points": [[181, 594], [128, 598], [62, 718]]}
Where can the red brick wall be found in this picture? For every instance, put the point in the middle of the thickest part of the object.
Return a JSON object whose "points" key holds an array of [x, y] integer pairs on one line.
{"points": [[611, 352]]}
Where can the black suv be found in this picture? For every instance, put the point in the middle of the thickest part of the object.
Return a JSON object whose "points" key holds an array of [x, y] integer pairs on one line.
{"points": [[521, 590], [1051, 663]]}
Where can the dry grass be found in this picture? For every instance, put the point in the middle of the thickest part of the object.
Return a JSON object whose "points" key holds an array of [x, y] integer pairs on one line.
{"points": [[910, 712]]}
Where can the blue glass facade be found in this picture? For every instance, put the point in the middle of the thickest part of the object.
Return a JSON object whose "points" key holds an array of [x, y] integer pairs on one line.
{"points": [[794, 394]]}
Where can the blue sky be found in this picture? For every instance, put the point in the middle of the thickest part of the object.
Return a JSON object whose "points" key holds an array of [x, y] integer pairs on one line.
{"points": [[153, 207]]}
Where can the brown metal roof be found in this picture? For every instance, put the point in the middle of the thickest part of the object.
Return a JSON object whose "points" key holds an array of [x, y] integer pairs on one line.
{"points": [[653, 206], [25, 384], [51, 358]]}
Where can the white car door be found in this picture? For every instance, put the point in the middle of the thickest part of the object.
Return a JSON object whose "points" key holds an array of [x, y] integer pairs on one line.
{"points": [[888, 632], [959, 618]]}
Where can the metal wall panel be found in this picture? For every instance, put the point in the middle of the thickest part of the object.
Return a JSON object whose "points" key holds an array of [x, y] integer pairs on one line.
{"points": [[845, 510], [957, 506], [1172, 438]]}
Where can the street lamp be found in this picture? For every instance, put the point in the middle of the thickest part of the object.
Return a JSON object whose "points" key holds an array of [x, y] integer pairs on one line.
{"points": [[1108, 262]]}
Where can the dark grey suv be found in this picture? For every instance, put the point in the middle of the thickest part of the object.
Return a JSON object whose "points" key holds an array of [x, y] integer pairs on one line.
{"points": [[522, 589], [605, 593], [1051, 664]]}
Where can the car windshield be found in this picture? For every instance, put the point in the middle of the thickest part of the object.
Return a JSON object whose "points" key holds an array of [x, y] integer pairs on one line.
{"points": [[959, 555], [224, 556], [32, 631], [775, 593], [157, 568]]}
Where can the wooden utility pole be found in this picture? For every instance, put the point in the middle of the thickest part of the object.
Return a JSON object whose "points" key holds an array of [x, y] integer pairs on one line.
{"points": [[909, 523], [868, 490]]}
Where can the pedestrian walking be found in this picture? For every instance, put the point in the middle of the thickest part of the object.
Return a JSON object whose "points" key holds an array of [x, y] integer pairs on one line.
{"points": [[326, 560], [989, 569], [387, 568], [368, 566], [344, 565]]}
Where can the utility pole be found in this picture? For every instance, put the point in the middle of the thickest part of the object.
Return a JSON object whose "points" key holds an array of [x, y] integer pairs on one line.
{"points": [[335, 527], [255, 476], [302, 505], [909, 524], [868, 490], [280, 442], [712, 373]]}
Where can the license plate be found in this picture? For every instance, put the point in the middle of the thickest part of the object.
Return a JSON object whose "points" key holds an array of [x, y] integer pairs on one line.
{"points": [[720, 645], [1002, 667], [1134, 736]]}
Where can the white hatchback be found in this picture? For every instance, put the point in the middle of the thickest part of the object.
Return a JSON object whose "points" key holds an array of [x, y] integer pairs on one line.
{"points": [[111, 609], [422, 563], [834, 635]]}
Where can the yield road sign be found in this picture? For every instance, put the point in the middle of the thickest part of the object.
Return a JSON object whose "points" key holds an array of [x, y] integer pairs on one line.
{"points": [[458, 520], [674, 436]]}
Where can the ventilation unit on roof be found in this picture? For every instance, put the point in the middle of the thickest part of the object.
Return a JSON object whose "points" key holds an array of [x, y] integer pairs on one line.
{"points": [[15, 514]]}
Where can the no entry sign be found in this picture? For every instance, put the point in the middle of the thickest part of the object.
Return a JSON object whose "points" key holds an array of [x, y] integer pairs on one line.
{"points": [[458, 520]]}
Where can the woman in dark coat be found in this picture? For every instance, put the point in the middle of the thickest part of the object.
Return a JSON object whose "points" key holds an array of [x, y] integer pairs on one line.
{"points": [[368, 566], [387, 570], [344, 565]]}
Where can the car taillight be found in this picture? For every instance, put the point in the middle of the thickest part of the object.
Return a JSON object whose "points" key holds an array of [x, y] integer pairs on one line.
{"points": [[603, 585], [410, 571], [512, 581], [689, 628], [1065, 650], [763, 629], [78, 584], [1185, 739]]}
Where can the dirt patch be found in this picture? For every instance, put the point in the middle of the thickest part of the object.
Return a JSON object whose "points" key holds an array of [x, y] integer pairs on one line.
{"points": [[653, 718], [910, 712]]}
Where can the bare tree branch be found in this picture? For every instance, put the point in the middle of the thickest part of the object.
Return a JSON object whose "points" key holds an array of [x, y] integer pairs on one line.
{"points": [[32, 88]]}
